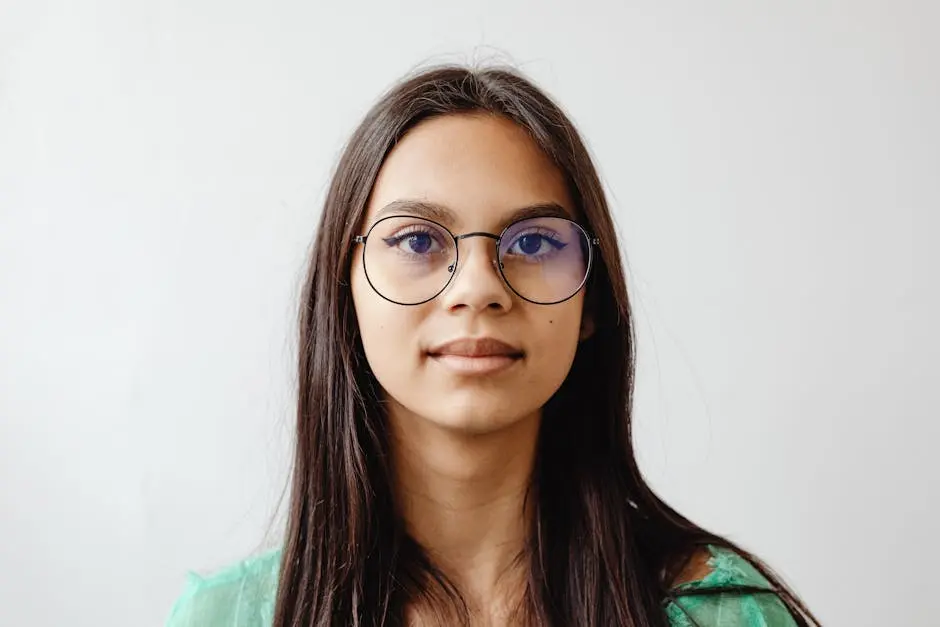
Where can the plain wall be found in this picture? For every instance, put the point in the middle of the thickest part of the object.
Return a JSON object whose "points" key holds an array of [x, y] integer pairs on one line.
{"points": [[774, 171]]}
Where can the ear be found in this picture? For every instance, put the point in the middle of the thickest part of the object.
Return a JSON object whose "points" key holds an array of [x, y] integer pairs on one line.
{"points": [[587, 319], [587, 326]]}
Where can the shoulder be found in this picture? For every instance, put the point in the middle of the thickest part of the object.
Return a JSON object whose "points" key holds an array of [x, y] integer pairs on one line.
{"points": [[719, 587], [240, 595]]}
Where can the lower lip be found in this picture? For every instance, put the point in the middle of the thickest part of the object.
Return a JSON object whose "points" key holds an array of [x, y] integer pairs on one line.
{"points": [[475, 365]]}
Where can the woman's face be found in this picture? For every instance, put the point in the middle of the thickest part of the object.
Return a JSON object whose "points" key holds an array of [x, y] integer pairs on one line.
{"points": [[476, 171]]}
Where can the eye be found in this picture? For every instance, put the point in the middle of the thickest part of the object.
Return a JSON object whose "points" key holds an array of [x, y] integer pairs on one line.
{"points": [[535, 244], [415, 241]]}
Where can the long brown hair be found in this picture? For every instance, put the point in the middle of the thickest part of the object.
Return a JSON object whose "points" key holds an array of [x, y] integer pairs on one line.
{"points": [[604, 548]]}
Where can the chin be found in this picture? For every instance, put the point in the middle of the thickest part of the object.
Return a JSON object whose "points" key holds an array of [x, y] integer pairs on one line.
{"points": [[471, 410], [479, 418]]}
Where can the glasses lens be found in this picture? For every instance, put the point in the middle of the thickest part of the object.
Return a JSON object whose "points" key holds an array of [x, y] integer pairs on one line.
{"points": [[409, 260], [545, 260]]}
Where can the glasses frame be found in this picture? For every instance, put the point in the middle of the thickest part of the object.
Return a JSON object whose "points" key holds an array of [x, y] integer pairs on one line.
{"points": [[590, 239]]}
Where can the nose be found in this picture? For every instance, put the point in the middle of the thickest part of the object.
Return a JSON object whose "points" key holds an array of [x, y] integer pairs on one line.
{"points": [[477, 283]]}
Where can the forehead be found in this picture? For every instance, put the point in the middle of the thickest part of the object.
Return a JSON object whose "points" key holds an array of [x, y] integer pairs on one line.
{"points": [[481, 167]]}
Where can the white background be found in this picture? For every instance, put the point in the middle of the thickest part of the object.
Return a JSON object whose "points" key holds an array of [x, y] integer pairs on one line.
{"points": [[774, 172]]}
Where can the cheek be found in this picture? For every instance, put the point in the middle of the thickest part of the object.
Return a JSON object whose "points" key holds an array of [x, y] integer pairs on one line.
{"points": [[388, 330], [558, 323], [556, 339]]}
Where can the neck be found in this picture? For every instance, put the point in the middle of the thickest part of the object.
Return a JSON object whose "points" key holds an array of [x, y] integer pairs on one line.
{"points": [[462, 498]]}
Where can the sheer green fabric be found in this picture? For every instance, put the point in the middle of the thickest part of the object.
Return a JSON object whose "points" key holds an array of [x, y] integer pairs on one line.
{"points": [[721, 609], [243, 595]]}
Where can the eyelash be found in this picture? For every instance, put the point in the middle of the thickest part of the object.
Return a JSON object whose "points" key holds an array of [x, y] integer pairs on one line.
{"points": [[547, 234], [397, 238]]}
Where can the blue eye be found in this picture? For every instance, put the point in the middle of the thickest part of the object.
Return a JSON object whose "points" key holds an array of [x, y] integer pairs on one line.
{"points": [[530, 244], [419, 243], [535, 245], [413, 242]]}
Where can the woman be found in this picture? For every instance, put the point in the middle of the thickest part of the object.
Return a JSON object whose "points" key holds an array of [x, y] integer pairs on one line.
{"points": [[464, 452]]}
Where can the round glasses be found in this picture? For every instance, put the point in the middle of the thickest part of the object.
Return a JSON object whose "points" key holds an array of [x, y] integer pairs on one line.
{"points": [[410, 260]]}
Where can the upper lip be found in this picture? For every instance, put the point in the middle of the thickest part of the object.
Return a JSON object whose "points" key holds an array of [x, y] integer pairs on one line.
{"points": [[476, 347]]}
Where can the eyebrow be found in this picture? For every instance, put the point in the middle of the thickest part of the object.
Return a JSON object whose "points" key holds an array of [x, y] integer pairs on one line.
{"points": [[446, 216]]}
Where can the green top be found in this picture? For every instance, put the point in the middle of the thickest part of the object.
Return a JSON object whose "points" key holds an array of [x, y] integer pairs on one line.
{"points": [[243, 595]]}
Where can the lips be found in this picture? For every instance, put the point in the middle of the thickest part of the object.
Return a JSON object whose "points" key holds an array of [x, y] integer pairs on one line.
{"points": [[476, 348], [476, 357]]}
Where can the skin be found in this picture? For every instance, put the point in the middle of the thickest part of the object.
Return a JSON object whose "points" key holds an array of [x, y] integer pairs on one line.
{"points": [[463, 445]]}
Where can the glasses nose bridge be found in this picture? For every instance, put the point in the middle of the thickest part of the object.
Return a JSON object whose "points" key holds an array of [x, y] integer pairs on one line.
{"points": [[477, 234], [495, 259]]}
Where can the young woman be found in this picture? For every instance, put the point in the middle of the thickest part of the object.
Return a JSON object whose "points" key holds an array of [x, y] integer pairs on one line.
{"points": [[464, 452]]}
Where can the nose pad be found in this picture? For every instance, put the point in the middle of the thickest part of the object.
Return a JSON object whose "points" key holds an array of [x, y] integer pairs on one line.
{"points": [[478, 290], [486, 249], [496, 265]]}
